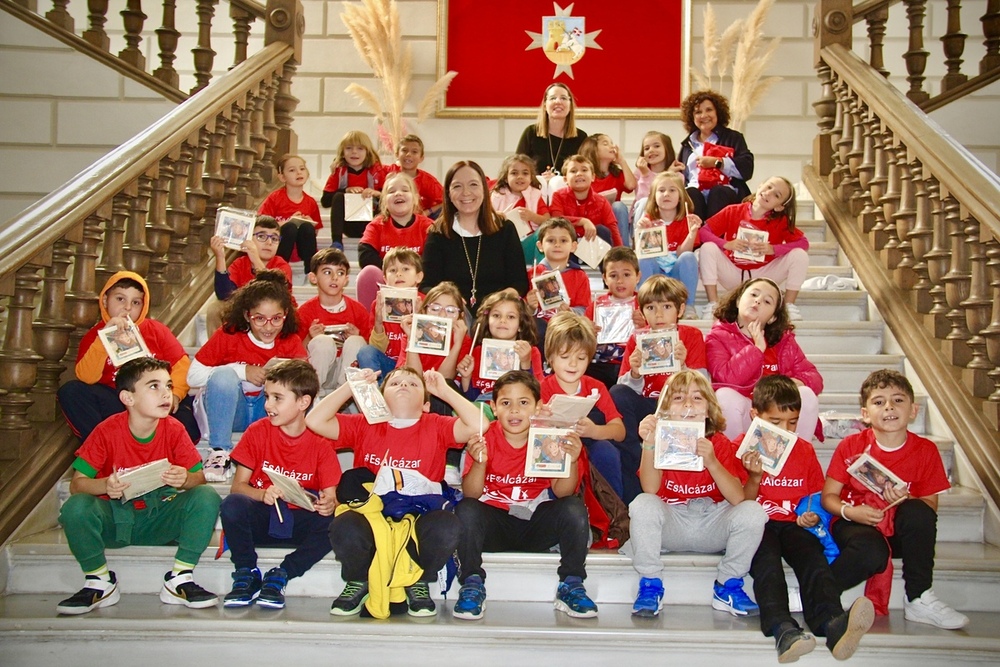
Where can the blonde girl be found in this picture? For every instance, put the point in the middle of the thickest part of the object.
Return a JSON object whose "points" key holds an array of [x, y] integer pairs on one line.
{"points": [[670, 205], [357, 169]]}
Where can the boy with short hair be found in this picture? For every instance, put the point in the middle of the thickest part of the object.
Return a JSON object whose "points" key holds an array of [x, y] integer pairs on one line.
{"points": [[589, 212], [570, 343], [661, 302], [402, 268], [329, 272], [621, 276], [868, 531], [92, 398], [776, 400], [415, 440], [557, 242], [409, 156], [94, 517], [505, 511], [295, 210], [251, 515]]}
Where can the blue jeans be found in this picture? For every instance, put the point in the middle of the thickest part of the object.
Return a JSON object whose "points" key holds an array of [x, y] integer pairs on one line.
{"points": [[228, 408], [375, 359], [624, 223], [685, 269]]}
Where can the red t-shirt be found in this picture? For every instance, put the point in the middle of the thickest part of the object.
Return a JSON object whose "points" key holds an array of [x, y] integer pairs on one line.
{"points": [[726, 223], [800, 476], [354, 313], [367, 177], [159, 338], [577, 287], [229, 348], [680, 486], [308, 458], [652, 384], [420, 447], [383, 234], [917, 462], [241, 270], [595, 208], [281, 208], [485, 385], [611, 182], [505, 483], [112, 448], [588, 387], [429, 188]]}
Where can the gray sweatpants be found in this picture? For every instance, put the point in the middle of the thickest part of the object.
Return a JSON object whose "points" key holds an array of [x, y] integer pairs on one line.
{"points": [[700, 525]]}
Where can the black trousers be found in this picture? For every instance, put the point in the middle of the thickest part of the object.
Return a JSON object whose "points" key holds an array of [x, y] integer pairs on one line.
{"points": [[804, 553], [245, 522], [300, 235], [717, 199], [864, 551], [339, 226], [562, 521], [354, 544]]}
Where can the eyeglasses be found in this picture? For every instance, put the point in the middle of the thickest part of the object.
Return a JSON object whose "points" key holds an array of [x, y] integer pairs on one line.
{"points": [[260, 320], [435, 309], [265, 238]]}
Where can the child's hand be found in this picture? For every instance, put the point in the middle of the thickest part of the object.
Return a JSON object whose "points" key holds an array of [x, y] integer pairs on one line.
{"points": [[865, 515], [353, 330], [271, 494], [355, 190], [369, 193], [589, 230], [585, 427], [255, 375], [477, 450], [406, 323], [114, 487], [369, 376], [544, 411], [121, 322], [563, 308], [459, 331], [523, 350], [216, 244], [891, 494], [316, 329], [706, 450], [807, 520], [737, 245], [761, 248], [326, 504], [465, 366], [752, 463], [435, 383], [645, 222], [572, 445], [694, 224], [642, 165], [638, 320], [619, 158], [634, 362], [250, 248], [676, 166], [532, 300], [680, 353], [174, 476], [647, 426], [176, 403], [756, 331], [528, 215]]}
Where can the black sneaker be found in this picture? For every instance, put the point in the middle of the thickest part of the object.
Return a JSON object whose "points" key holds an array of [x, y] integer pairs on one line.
{"points": [[95, 594], [418, 600], [792, 643], [844, 633], [181, 589], [246, 588], [351, 599], [272, 591]]}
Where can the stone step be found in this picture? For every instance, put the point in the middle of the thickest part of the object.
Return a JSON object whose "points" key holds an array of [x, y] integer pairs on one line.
{"points": [[844, 373]]}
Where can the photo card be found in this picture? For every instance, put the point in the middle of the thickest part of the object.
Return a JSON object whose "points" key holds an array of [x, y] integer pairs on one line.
{"points": [[430, 335], [338, 332], [234, 226], [614, 318], [123, 344], [751, 235], [677, 445], [551, 290], [143, 478], [651, 242], [497, 357], [293, 492], [398, 302], [368, 398], [874, 476], [546, 456], [772, 443], [657, 350]]}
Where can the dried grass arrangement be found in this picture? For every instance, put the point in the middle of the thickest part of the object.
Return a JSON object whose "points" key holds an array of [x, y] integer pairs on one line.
{"points": [[375, 28], [743, 47]]}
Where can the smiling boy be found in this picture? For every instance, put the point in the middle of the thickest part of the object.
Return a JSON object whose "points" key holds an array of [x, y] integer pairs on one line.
{"points": [[409, 156], [589, 212]]}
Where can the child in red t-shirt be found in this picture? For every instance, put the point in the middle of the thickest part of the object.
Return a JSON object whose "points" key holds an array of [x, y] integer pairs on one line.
{"points": [[255, 512], [294, 209], [357, 170], [503, 510], [402, 268], [898, 522], [96, 518], [557, 242], [776, 400], [589, 212], [611, 173], [444, 300], [703, 511], [409, 155], [517, 193]]}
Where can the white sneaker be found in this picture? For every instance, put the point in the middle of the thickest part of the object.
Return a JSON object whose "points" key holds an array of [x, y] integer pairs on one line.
{"points": [[793, 312], [928, 609], [217, 467], [707, 311]]}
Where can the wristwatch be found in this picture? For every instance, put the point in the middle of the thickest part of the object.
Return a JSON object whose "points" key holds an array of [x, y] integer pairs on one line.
{"points": [[718, 164]]}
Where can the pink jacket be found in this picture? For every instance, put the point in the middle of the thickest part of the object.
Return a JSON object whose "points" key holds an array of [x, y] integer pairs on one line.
{"points": [[735, 362]]}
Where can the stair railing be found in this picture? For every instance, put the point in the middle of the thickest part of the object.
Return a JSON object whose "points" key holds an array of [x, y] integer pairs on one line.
{"points": [[917, 216], [148, 206]]}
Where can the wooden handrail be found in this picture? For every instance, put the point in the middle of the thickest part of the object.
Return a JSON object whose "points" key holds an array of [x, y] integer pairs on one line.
{"points": [[866, 7], [252, 7]]}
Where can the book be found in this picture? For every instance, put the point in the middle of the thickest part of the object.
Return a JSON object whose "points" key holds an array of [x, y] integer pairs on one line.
{"points": [[546, 456], [234, 226], [398, 302], [772, 443], [751, 235], [294, 494], [657, 351], [497, 357], [551, 290], [592, 251], [143, 478], [614, 321], [651, 242], [123, 344], [568, 410], [874, 476], [676, 445], [430, 335], [358, 208], [368, 398]]}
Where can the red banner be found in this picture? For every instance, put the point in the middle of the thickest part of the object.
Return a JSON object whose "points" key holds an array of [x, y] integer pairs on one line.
{"points": [[612, 55]]}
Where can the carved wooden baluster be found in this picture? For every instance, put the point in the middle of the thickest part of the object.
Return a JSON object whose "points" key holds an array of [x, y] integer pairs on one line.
{"points": [[245, 154], [954, 46], [920, 238], [977, 314], [133, 18], [179, 217], [167, 36], [992, 332], [81, 299], [890, 200], [957, 280], [98, 17], [213, 181], [903, 220], [939, 256], [258, 140], [881, 143], [158, 232], [52, 329], [876, 37], [916, 56], [991, 32], [825, 108], [241, 31], [842, 171], [284, 108], [860, 200], [856, 155], [135, 252], [197, 198], [230, 166], [270, 131], [60, 17], [204, 56], [18, 361], [114, 234]]}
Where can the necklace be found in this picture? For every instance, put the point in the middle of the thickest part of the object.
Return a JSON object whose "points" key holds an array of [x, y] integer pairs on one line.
{"points": [[473, 268], [553, 156]]}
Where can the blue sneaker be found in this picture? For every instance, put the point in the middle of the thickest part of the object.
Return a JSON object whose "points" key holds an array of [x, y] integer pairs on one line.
{"points": [[338, 245], [471, 599], [571, 597], [246, 588], [272, 591], [649, 601], [730, 597]]}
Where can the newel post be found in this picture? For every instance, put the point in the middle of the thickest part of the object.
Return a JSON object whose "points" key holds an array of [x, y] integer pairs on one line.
{"points": [[832, 21], [285, 23]]}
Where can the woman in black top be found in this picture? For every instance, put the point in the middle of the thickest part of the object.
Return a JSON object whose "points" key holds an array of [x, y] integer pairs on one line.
{"points": [[554, 136]]}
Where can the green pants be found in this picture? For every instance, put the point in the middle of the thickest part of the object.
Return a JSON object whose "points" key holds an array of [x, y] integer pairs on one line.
{"points": [[93, 524]]}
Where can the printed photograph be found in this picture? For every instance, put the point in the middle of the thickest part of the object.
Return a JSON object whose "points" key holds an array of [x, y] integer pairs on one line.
{"points": [[123, 344], [397, 303], [772, 443], [551, 290], [874, 476], [651, 242], [751, 235], [546, 457], [657, 350], [430, 335], [677, 445], [234, 226], [497, 358]]}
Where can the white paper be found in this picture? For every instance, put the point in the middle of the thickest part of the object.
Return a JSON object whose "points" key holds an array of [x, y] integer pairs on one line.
{"points": [[592, 251], [651, 242], [143, 479], [615, 321], [570, 409], [368, 397], [357, 207], [545, 456], [430, 335], [522, 227], [293, 493]]}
